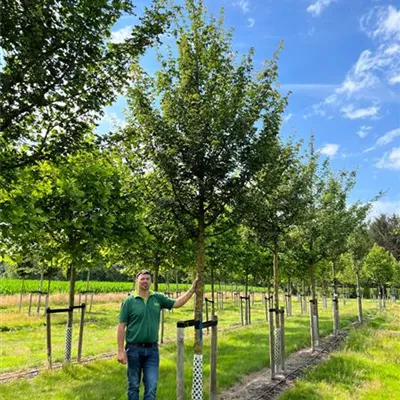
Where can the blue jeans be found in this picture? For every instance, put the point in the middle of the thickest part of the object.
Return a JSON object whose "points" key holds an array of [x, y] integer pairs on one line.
{"points": [[146, 359]]}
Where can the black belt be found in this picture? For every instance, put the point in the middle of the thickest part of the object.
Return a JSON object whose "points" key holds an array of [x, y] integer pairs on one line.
{"points": [[153, 344]]}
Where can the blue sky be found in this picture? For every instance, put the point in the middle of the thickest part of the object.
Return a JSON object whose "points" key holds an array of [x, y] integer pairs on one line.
{"points": [[341, 60]]}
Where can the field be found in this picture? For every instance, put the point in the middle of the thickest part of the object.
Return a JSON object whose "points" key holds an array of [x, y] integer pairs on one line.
{"points": [[241, 350], [13, 286], [367, 368]]}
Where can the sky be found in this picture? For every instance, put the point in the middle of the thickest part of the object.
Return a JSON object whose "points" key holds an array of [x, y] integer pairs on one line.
{"points": [[341, 63]]}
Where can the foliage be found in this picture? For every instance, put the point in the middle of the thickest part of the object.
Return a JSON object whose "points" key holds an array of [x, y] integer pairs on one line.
{"points": [[206, 122], [385, 231], [379, 265], [60, 69]]}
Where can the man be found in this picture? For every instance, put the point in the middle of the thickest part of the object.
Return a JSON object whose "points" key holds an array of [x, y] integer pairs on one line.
{"points": [[139, 321]]}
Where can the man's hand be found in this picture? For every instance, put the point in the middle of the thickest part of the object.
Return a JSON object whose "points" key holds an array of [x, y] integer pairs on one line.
{"points": [[122, 358], [194, 284]]}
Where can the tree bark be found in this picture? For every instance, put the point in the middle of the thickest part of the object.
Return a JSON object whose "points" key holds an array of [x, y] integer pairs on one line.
{"points": [[200, 262], [359, 300], [276, 285], [212, 291], [334, 278], [156, 266]]}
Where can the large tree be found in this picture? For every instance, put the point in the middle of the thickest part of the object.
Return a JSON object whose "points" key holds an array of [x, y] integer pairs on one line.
{"points": [[61, 69], [82, 207], [385, 231], [207, 123], [276, 201]]}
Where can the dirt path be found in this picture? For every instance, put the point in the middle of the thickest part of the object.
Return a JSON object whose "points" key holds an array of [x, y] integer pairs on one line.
{"points": [[258, 385]]}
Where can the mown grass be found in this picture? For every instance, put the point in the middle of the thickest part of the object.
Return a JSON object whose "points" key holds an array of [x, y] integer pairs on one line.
{"points": [[23, 337], [368, 367], [240, 352]]}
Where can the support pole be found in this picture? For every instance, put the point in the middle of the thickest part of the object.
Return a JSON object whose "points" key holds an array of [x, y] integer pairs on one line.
{"points": [[180, 362], [81, 325], [335, 304], [30, 303], [48, 330], [213, 359]]}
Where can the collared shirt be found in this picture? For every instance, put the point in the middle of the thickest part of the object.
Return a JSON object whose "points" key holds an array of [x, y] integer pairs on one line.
{"points": [[142, 317]]}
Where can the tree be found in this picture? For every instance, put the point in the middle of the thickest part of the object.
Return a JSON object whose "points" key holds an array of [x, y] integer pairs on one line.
{"points": [[81, 206], [359, 246], [379, 266], [275, 202], [385, 231], [208, 124], [60, 69]]}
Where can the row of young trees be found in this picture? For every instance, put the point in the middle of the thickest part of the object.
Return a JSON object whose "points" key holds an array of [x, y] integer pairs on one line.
{"points": [[199, 180]]}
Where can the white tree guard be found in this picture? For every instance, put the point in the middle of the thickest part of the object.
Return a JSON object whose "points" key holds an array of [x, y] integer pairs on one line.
{"points": [[197, 383], [68, 345], [278, 350]]}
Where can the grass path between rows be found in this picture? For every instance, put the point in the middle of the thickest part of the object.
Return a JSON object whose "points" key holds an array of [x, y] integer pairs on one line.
{"points": [[367, 368], [240, 352]]}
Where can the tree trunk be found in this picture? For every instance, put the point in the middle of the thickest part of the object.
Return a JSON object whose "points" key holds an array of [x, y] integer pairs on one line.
{"points": [[41, 281], [334, 278], [156, 266], [313, 288], [197, 378], [212, 292], [200, 263], [22, 293], [87, 280], [359, 299], [276, 285]]}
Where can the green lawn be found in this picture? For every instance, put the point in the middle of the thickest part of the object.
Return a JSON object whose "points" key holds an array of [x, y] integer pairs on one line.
{"points": [[240, 351], [368, 368]]}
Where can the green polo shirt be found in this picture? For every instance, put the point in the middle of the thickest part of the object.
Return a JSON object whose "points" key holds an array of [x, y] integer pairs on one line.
{"points": [[142, 317]]}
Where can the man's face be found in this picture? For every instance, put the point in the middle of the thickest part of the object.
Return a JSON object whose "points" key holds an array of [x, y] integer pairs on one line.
{"points": [[144, 281]]}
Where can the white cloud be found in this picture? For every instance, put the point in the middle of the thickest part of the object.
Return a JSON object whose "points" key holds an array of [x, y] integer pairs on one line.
{"points": [[384, 207], [244, 5], [388, 137], [251, 21], [390, 160], [363, 131], [351, 112], [121, 35], [385, 139], [316, 9], [369, 82], [382, 23], [330, 149], [394, 79]]}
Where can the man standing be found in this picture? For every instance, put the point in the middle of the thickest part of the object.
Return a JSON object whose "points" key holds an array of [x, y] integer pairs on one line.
{"points": [[139, 321]]}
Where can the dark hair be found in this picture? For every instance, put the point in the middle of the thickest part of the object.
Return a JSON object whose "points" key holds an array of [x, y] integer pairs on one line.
{"points": [[143, 272]]}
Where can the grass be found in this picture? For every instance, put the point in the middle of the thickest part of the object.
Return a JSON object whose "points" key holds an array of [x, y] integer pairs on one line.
{"points": [[240, 352], [23, 337], [368, 367]]}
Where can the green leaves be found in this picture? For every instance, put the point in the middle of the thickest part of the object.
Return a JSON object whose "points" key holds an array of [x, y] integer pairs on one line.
{"points": [[197, 118], [379, 265], [61, 69]]}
